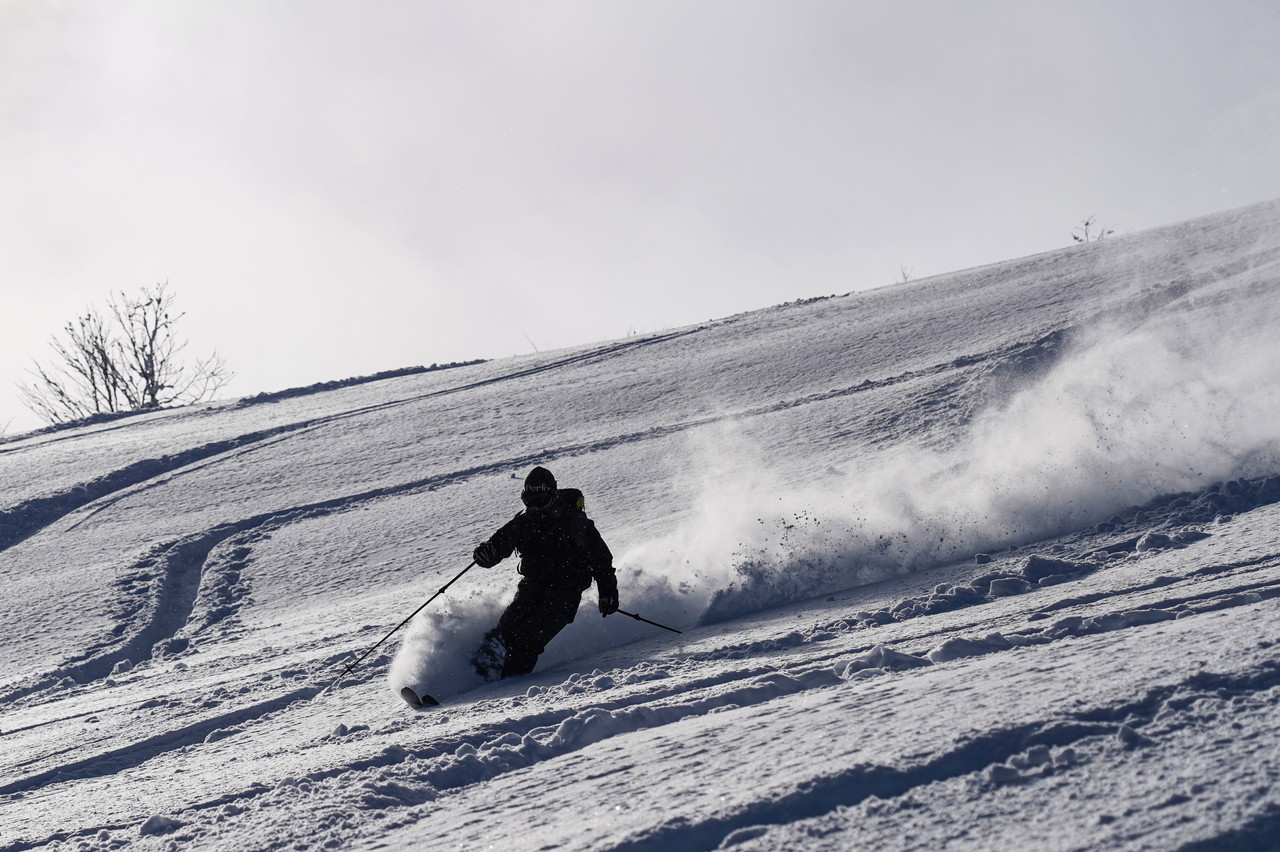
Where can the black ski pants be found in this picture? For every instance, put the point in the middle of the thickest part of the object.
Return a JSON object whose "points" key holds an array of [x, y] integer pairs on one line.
{"points": [[532, 620]]}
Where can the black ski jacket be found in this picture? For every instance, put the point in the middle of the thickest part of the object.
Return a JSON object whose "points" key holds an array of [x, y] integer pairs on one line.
{"points": [[559, 546]]}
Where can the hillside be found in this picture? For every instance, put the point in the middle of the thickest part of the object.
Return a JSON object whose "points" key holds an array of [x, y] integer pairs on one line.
{"points": [[987, 560]]}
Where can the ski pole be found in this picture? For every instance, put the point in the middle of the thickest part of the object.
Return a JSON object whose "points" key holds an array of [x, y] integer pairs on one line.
{"points": [[351, 666], [647, 621]]}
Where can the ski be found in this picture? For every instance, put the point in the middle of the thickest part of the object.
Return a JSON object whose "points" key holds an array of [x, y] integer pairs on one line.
{"points": [[413, 699]]}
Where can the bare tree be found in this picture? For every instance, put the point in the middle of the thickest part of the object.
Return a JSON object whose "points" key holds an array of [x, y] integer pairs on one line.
{"points": [[84, 379], [904, 274], [1085, 233], [151, 371], [126, 361]]}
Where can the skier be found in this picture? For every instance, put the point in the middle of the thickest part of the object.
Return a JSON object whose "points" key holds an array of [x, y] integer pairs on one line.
{"points": [[561, 552]]}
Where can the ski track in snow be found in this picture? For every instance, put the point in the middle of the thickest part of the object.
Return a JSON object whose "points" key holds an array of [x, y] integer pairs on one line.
{"points": [[1119, 624]]}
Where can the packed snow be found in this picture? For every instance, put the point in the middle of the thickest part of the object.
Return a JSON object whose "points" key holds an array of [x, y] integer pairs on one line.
{"points": [[984, 561]]}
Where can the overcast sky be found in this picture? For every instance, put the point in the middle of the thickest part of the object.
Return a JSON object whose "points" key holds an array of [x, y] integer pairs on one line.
{"points": [[337, 188]]}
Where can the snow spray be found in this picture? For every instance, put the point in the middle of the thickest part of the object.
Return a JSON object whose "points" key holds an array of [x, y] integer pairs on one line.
{"points": [[1126, 416]]}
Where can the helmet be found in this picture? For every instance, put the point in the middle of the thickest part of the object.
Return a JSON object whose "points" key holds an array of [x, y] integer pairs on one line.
{"points": [[539, 488]]}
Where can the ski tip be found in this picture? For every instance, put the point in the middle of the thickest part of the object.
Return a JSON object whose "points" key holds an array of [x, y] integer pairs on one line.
{"points": [[416, 700]]}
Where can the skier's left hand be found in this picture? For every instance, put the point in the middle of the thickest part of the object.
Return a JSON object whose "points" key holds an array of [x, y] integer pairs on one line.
{"points": [[607, 589]]}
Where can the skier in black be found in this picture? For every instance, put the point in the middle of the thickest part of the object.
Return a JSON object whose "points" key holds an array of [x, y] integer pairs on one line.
{"points": [[561, 552]]}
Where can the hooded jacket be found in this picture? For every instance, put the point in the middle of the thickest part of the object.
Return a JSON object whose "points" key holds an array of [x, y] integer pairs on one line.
{"points": [[559, 546]]}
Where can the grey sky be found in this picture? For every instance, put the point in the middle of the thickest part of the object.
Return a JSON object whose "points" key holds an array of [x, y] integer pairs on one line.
{"points": [[335, 188]]}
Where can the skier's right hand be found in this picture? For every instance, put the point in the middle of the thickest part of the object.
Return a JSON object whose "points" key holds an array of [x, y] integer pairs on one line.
{"points": [[486, 555]]}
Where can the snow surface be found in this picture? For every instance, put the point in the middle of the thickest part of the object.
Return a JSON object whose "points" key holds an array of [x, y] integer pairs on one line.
{"points": [[984, 561]]}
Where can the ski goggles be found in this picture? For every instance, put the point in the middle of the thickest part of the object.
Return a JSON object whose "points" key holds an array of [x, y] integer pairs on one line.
{"points": [[537, 497]]}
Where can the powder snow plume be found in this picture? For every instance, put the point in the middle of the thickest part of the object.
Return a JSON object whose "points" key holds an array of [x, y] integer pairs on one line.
{"points": [[1125, 417], [435, 653]]}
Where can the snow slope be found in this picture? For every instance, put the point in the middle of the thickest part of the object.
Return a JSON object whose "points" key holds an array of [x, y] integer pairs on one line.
{"points": [[989, 560]]}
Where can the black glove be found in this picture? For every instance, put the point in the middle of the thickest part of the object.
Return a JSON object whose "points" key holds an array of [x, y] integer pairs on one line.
{"points": [[486, 555], [607, 591]]}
